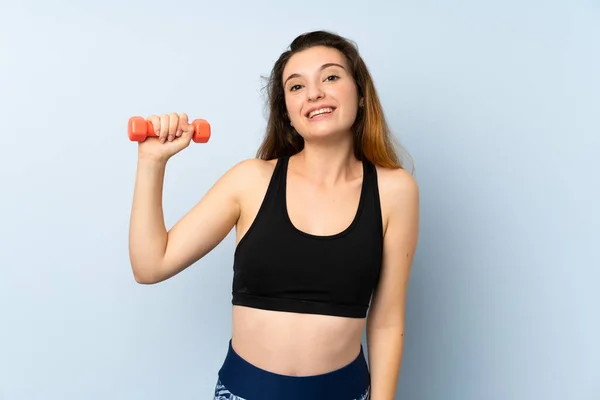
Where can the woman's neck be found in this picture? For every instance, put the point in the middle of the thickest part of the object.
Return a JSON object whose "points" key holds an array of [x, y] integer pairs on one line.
{"points": [[327, 164]]}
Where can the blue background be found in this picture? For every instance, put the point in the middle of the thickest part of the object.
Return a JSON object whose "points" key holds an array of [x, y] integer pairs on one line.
{"points": [[497, 101]]}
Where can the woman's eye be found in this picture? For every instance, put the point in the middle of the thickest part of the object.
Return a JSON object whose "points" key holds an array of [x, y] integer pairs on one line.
{"points": [[329, 78]]}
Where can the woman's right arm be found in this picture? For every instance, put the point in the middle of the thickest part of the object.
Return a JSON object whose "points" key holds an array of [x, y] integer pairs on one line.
{"points": [[157, 254]]}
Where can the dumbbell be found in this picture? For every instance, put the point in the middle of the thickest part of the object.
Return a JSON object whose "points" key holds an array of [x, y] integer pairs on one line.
{"points": [[139, 129]]}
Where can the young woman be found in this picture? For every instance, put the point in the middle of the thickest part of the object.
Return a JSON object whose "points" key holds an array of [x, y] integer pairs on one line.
{"points": [[326, 221]]}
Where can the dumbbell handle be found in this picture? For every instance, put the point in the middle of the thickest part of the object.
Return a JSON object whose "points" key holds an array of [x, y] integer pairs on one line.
{"points": [[139, 129]]}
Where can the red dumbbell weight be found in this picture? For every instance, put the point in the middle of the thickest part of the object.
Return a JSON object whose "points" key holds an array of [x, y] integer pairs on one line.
{"points": [[139, 129]]}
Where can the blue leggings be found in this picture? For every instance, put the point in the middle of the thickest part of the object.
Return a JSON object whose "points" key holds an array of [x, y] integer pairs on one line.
{"points": [[240, 380]]}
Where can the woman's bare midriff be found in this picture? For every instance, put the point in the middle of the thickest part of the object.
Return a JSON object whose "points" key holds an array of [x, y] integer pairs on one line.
{"points": [[295, 344]]}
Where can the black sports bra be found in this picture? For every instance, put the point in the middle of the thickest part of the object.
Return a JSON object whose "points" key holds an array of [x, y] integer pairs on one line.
{"points": [[278, 267]]}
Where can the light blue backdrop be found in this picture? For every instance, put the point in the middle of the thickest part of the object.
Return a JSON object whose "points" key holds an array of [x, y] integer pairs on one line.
{"points": [[497, 101]]}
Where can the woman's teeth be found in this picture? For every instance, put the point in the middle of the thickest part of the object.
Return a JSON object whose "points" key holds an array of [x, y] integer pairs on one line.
{"points": [[320, 111]]}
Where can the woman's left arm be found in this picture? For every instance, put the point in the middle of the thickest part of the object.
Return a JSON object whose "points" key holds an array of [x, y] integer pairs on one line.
{"points": [[385, 323]]}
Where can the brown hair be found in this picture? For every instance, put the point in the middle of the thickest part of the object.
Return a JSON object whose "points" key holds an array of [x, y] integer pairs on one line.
{"points": [[372, 137]]}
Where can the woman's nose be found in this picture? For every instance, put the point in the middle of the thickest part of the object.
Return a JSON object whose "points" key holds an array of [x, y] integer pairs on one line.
{"points": [[315, 93]]}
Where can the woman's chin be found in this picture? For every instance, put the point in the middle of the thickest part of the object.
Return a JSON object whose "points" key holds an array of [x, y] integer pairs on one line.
{"points": [[324, 134]]}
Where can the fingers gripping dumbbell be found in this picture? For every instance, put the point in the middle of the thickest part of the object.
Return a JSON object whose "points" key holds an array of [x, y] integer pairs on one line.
{"points": [[139, 129]]}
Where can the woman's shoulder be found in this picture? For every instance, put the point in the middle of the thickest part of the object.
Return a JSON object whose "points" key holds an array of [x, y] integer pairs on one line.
{"points": [[394, 181], [253, 168], [249, 173], [398, 192]]}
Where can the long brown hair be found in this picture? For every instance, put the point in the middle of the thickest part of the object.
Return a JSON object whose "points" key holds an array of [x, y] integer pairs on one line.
{"points": [[372, 137]]}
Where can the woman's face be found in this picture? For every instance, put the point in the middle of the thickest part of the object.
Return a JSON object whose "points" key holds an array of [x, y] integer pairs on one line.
{"points": [[319, 80]]}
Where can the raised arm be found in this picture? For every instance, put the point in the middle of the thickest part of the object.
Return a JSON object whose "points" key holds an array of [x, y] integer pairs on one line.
{"points": [[155, 253]]}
